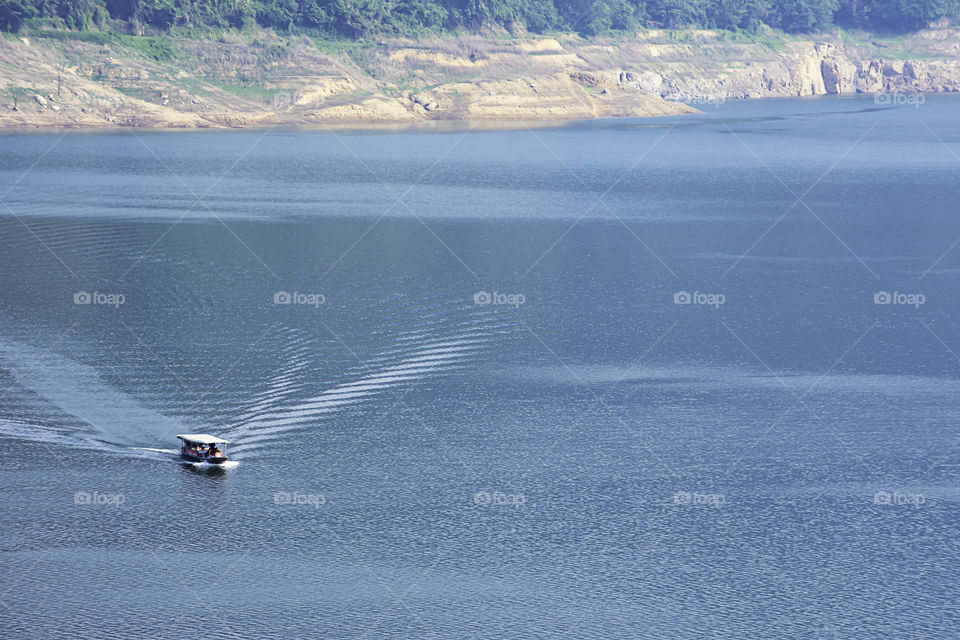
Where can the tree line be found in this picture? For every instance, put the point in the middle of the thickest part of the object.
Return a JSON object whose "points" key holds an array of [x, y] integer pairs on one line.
{"points": [[359, 18]]}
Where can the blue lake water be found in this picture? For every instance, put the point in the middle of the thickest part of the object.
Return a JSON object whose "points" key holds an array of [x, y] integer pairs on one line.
{"points": [[689, 377]]}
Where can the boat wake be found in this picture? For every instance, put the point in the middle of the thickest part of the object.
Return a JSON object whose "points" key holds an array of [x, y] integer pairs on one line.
{"points": [[92, 413], [203, 466], [151, 449], [59, 401], [56, 400], [276, 413]]}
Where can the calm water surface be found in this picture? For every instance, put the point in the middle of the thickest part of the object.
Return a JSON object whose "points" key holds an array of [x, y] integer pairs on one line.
{"points": [[485, 411]]}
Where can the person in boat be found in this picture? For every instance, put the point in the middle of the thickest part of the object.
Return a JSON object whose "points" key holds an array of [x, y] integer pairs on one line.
{"points": [[215, 452]]}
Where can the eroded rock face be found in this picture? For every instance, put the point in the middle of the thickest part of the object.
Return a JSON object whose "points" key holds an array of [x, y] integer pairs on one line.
{"points": [[869, 78], [812, 69], [368, 110], [807, 75], [839, 75], [523, 78], [576, 94]]}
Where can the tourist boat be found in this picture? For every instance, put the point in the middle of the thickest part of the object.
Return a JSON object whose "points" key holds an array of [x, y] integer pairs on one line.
{"points": [[201, 447]]}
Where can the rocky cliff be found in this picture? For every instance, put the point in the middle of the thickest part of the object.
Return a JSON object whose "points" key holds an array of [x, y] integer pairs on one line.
{"points": [[66, 81], [808, 68]]}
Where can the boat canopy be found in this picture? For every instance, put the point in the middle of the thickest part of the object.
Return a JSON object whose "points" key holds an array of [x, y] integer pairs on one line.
{"points": [[202, 438]]}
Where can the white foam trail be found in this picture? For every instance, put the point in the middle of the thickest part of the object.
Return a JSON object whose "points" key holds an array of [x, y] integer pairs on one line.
{"points": [[173, 451], [205, 466], [48, 435], [77, 389], [83, 440]]}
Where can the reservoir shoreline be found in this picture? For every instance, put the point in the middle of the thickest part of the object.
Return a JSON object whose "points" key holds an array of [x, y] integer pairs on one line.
{"points": [[53, 83]]}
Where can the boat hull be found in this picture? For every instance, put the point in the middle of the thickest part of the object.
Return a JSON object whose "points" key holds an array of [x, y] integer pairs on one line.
{"points": [[220, 460]]}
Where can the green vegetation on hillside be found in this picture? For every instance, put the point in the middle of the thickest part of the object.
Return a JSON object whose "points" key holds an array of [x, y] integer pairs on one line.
{"points": [[358, 18], [153, 47]]}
